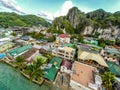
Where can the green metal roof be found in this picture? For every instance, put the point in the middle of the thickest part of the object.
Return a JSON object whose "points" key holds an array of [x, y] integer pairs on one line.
{"points": [[94, 46], [69, 45], [114, 68], [15, 52], [113, 51], [91, 41], [51, 73]]}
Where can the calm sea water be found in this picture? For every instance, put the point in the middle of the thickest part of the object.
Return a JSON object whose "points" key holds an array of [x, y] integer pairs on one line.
{"points": [[10, 79]]}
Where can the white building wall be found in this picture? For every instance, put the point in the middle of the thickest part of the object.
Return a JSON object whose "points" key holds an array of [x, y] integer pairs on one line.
{"points": [[63, 40], [77, 86], [64, 69]]}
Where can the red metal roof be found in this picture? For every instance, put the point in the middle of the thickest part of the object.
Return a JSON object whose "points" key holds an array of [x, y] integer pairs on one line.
{"points": [[64, 36], [67, 64]]}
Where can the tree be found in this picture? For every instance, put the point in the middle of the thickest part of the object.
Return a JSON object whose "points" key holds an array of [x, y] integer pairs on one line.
{"points": [[51, 39], [34, 70], [101, 42], [108, 79], [118, 42], [13, 34], [20, 59], [80, 38], [20, 62]]}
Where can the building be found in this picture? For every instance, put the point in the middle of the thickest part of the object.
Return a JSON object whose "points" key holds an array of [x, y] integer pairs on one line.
{"points": [[66, 66], [66, 53], [5, 46], [26, 38], [20, 30], [51, 71], [114, 68], [30, 54], [90, 55], [91, 41], [2, 55], [84, 77], [63, 38], [19, 51]]}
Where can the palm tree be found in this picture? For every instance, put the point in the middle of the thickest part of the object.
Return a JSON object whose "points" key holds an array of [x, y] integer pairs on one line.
{"points": [[34, 70], [108, 79], [20, 62]]}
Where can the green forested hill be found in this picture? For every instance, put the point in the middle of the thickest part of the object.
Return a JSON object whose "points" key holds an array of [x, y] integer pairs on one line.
{"points": [[13, 19]]}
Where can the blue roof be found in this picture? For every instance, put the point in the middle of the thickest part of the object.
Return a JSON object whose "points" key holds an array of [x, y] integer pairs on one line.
{"points": [[2, 55], [1, 43], [25, 37]]}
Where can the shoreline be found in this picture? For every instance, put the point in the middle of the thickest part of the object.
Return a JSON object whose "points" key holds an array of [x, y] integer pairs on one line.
{"points": [[23, 74], [27, 77]]}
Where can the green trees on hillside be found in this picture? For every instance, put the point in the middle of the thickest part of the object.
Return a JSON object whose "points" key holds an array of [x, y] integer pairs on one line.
{"points": [[13, 19]]}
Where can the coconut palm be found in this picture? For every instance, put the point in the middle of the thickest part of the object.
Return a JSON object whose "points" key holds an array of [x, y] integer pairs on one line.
{"points": [[20, 62], [34, 70], [108, 79]]}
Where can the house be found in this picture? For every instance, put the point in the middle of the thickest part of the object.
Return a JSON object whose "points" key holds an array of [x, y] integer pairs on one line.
{"points": [[51, 71], [30, 54], [63, 38], [6, 46], [114, 68], [18, 51], [64, 52], [20, 30], [48, 35], [2, 55], [66, 66], [26, 38], [5, 39], [91, 41], [84, 77]]}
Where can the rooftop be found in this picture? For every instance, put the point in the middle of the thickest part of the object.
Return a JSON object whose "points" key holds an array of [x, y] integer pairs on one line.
{"points": [[29, 53], [68, 49], [83, 74], [85, 55], [113, 51], [68, 45], [114, 68], [2, 55], [1, 43], [64, 36], [51, 73], [19, 50], [25, 37], [66, 64]]}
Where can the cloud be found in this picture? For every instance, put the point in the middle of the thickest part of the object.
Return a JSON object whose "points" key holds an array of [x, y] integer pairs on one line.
{"points": [[65, 7], [46, 15], [62, 12], [12, 4]]}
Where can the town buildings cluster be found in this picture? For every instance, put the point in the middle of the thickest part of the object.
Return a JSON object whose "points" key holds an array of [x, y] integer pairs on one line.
{"points": [[73, 65]]}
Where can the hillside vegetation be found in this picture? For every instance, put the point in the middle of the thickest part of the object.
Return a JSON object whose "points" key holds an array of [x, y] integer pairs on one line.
{"points": [[13, 19]]}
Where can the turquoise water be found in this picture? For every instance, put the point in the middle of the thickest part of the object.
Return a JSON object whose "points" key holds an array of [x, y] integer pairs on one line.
{"points": [[10, 79]]}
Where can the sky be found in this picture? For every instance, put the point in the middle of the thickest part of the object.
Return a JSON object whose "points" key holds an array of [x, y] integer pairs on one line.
{"points": [[49, 9]]}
